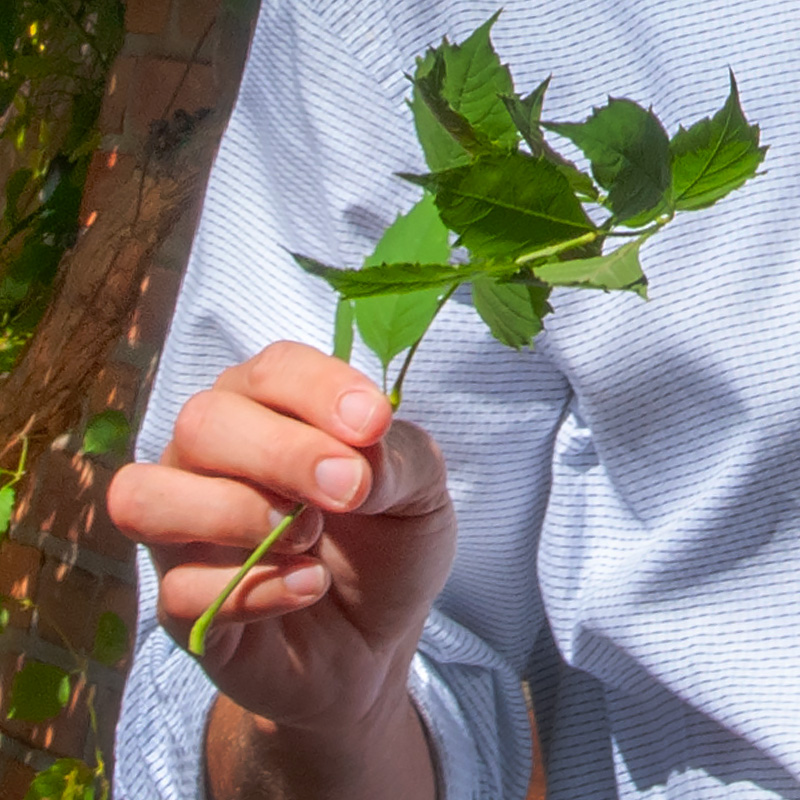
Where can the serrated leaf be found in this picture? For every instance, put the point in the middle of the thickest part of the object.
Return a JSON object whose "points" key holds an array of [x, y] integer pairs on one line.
{"points": [[343, 329], [107, 432], [66, 779], [387, 278], [618, 270], [38, 692], [7, 499], [391, 323], [504, 205], [512, 311], [456, 100], [441, 150], [629, 153], [110, 639], [526, 113], [714, 156]]}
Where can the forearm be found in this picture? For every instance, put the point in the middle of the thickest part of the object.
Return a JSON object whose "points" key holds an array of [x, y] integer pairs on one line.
{"points": [[383, 758]]}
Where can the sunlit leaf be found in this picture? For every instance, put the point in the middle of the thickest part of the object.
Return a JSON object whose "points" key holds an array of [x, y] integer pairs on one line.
{"points": [[387, 278], [526, 113], [617, 270], [66, 779], [389, 324], [38, 692], [629, 153], [504, 205], [7, 500], [107, 432], [512, 311], [5, 618], [456, 100], [714, 156]]}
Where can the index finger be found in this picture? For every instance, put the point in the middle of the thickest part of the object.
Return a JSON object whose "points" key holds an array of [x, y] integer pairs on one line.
{"points": [[300, 381]]}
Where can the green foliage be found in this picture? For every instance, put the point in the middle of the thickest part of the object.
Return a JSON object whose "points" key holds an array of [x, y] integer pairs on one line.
{"points": [[38, 692], [629, 152], [519, 213], [512, 311], [618, 270], [54, 59], [343, 329], [391, 323], [503, 205], [110, 639], [66, 779], [714, 156], [7, 500], [107, 432]]}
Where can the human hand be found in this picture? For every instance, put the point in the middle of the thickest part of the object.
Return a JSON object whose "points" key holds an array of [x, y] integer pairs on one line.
{"points": [[331, 620]]}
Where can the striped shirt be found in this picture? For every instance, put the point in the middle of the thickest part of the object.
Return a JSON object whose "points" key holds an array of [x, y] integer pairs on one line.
{"points": [[628, 493]]}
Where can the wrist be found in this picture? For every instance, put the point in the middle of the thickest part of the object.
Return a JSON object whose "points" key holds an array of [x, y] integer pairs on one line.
{"points": [[383, 756]]}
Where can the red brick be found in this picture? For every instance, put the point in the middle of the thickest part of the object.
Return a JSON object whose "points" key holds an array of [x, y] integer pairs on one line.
{"points": [[108, 175], [116, 386], [117, 96], [194, 18], [15, 779], [121, 599], [19, 571], [69, 502], [147, 16], [67, 601], [153, 313], [157, 80]]}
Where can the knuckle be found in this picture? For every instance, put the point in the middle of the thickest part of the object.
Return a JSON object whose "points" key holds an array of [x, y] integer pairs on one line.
{"points": [[271, 364], [192, 419]]}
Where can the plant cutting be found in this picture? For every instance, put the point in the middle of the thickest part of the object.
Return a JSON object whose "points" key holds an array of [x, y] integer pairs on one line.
{"points": [[504, 211]]}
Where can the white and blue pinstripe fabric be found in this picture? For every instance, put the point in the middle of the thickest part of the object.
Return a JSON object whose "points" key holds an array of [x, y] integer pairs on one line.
{"points": [[627, 494]]}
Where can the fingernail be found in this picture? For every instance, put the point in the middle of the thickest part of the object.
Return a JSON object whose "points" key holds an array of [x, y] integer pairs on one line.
{"points": [[339, 478], [275, 518], [306, 582], [357, 408]]}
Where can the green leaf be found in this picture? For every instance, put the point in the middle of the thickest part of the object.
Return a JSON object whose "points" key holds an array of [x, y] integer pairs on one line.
{"points": [[526, 113], [473, 82], [618, 270], [629, 152], [38, 692], [66, 779], [504, 205], [456, 100], [343, 330], [512, 311], [714, 156], [110, 639], [5, 618], [391, 323], [107, 432], [441, 150], [387, 278], [7, 500]]}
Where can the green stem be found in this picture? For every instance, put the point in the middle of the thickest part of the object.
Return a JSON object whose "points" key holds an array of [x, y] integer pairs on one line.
{"points": [[197, 637], [396, 395], [559, 247]]}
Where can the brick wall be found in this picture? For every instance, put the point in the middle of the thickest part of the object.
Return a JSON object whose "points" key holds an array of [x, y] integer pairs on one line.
{"points": [[63, 552]]}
